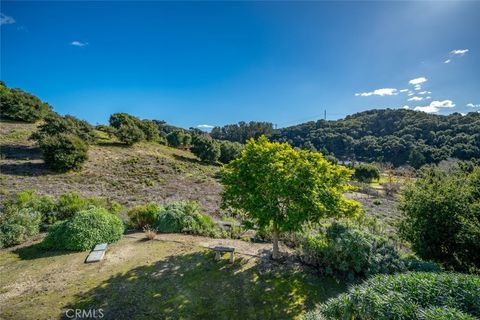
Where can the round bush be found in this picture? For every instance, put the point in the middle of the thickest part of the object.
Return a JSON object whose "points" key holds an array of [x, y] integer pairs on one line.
{"points": [[414, 295], [17, 225], [86, 229], [63, 152], [185, 216]]}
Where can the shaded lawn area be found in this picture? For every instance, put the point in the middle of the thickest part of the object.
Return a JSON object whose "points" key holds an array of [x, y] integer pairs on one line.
{"points": [[157, 280]]}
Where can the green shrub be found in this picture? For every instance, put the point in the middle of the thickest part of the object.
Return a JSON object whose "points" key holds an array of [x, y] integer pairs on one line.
{"points": [[142, 216], [17, 225], [150, 130], [175, 138], [441, 217], [55, 124], [185, 216], [68, 204], [28, 199], [365, 172], [86, 229], [352, 251], [21, 106], [205, 148], [229, 151], [130, 134], [413, 295], [63, 152]]}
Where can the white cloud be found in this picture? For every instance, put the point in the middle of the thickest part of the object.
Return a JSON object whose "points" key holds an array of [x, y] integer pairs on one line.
{"points": [[411, 93], [471, 105], [415, 99], [78, 43], [435, 106], [417, 81], [4, 19], [447, 61], [379, 92], [406, 107], [427, 109], [428, 98], [418, 87], [442, 104], [205, 126], [459, 52], [404, 90], [424, 92]]}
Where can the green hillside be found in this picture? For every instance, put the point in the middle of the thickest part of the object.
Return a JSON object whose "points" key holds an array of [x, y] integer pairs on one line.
{"points": [[391, 135]]}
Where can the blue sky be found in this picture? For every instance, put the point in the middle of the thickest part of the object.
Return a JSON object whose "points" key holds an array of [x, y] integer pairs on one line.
{"points": [[213, 63]]}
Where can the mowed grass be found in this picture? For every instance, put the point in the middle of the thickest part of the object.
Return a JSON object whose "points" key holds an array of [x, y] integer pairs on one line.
{"points": [[157, 280]]}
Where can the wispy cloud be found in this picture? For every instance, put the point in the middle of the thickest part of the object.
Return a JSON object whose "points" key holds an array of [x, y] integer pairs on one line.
{"points": [[205, 126], [447, 61], [4, 19], [459, 52], [379, 92], [471, 105], [77, 43], [435, 106], [403, 90], [424, 92], [418, 81], [415, 99]]}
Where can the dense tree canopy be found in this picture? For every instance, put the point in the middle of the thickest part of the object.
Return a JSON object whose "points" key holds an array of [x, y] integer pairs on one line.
{"points": [[242, 131], [21, 106], [396, 136], [282, 188]]}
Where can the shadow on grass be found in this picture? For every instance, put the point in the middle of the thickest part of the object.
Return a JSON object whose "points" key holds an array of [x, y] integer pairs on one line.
{"points": [[195, 286], [186, 159], [26, 169], [36, 251], [18, 152], [111, 144]]}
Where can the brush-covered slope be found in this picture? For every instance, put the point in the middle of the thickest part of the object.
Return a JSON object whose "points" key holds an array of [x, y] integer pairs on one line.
{"points": [[130, 175]]}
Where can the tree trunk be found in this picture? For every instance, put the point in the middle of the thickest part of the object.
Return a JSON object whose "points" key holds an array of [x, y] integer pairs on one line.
{"points": [[276, 252]]}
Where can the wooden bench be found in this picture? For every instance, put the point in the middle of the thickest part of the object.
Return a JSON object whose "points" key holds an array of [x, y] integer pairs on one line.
{"points": [[97, 253], [219, 250]]}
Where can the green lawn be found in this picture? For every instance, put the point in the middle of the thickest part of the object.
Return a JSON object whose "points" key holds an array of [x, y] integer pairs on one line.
{"points": [[156, 280]]}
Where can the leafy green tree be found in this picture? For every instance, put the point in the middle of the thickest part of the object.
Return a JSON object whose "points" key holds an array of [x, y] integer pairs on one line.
{"points": [[283, 189], [229, 151], [175, 138], [442, 216], [130, 134], [63, 152], [150, 129], [365, 172], [21, 106], [205, 148], [117, 119], [186, 140], [416, 158]]}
